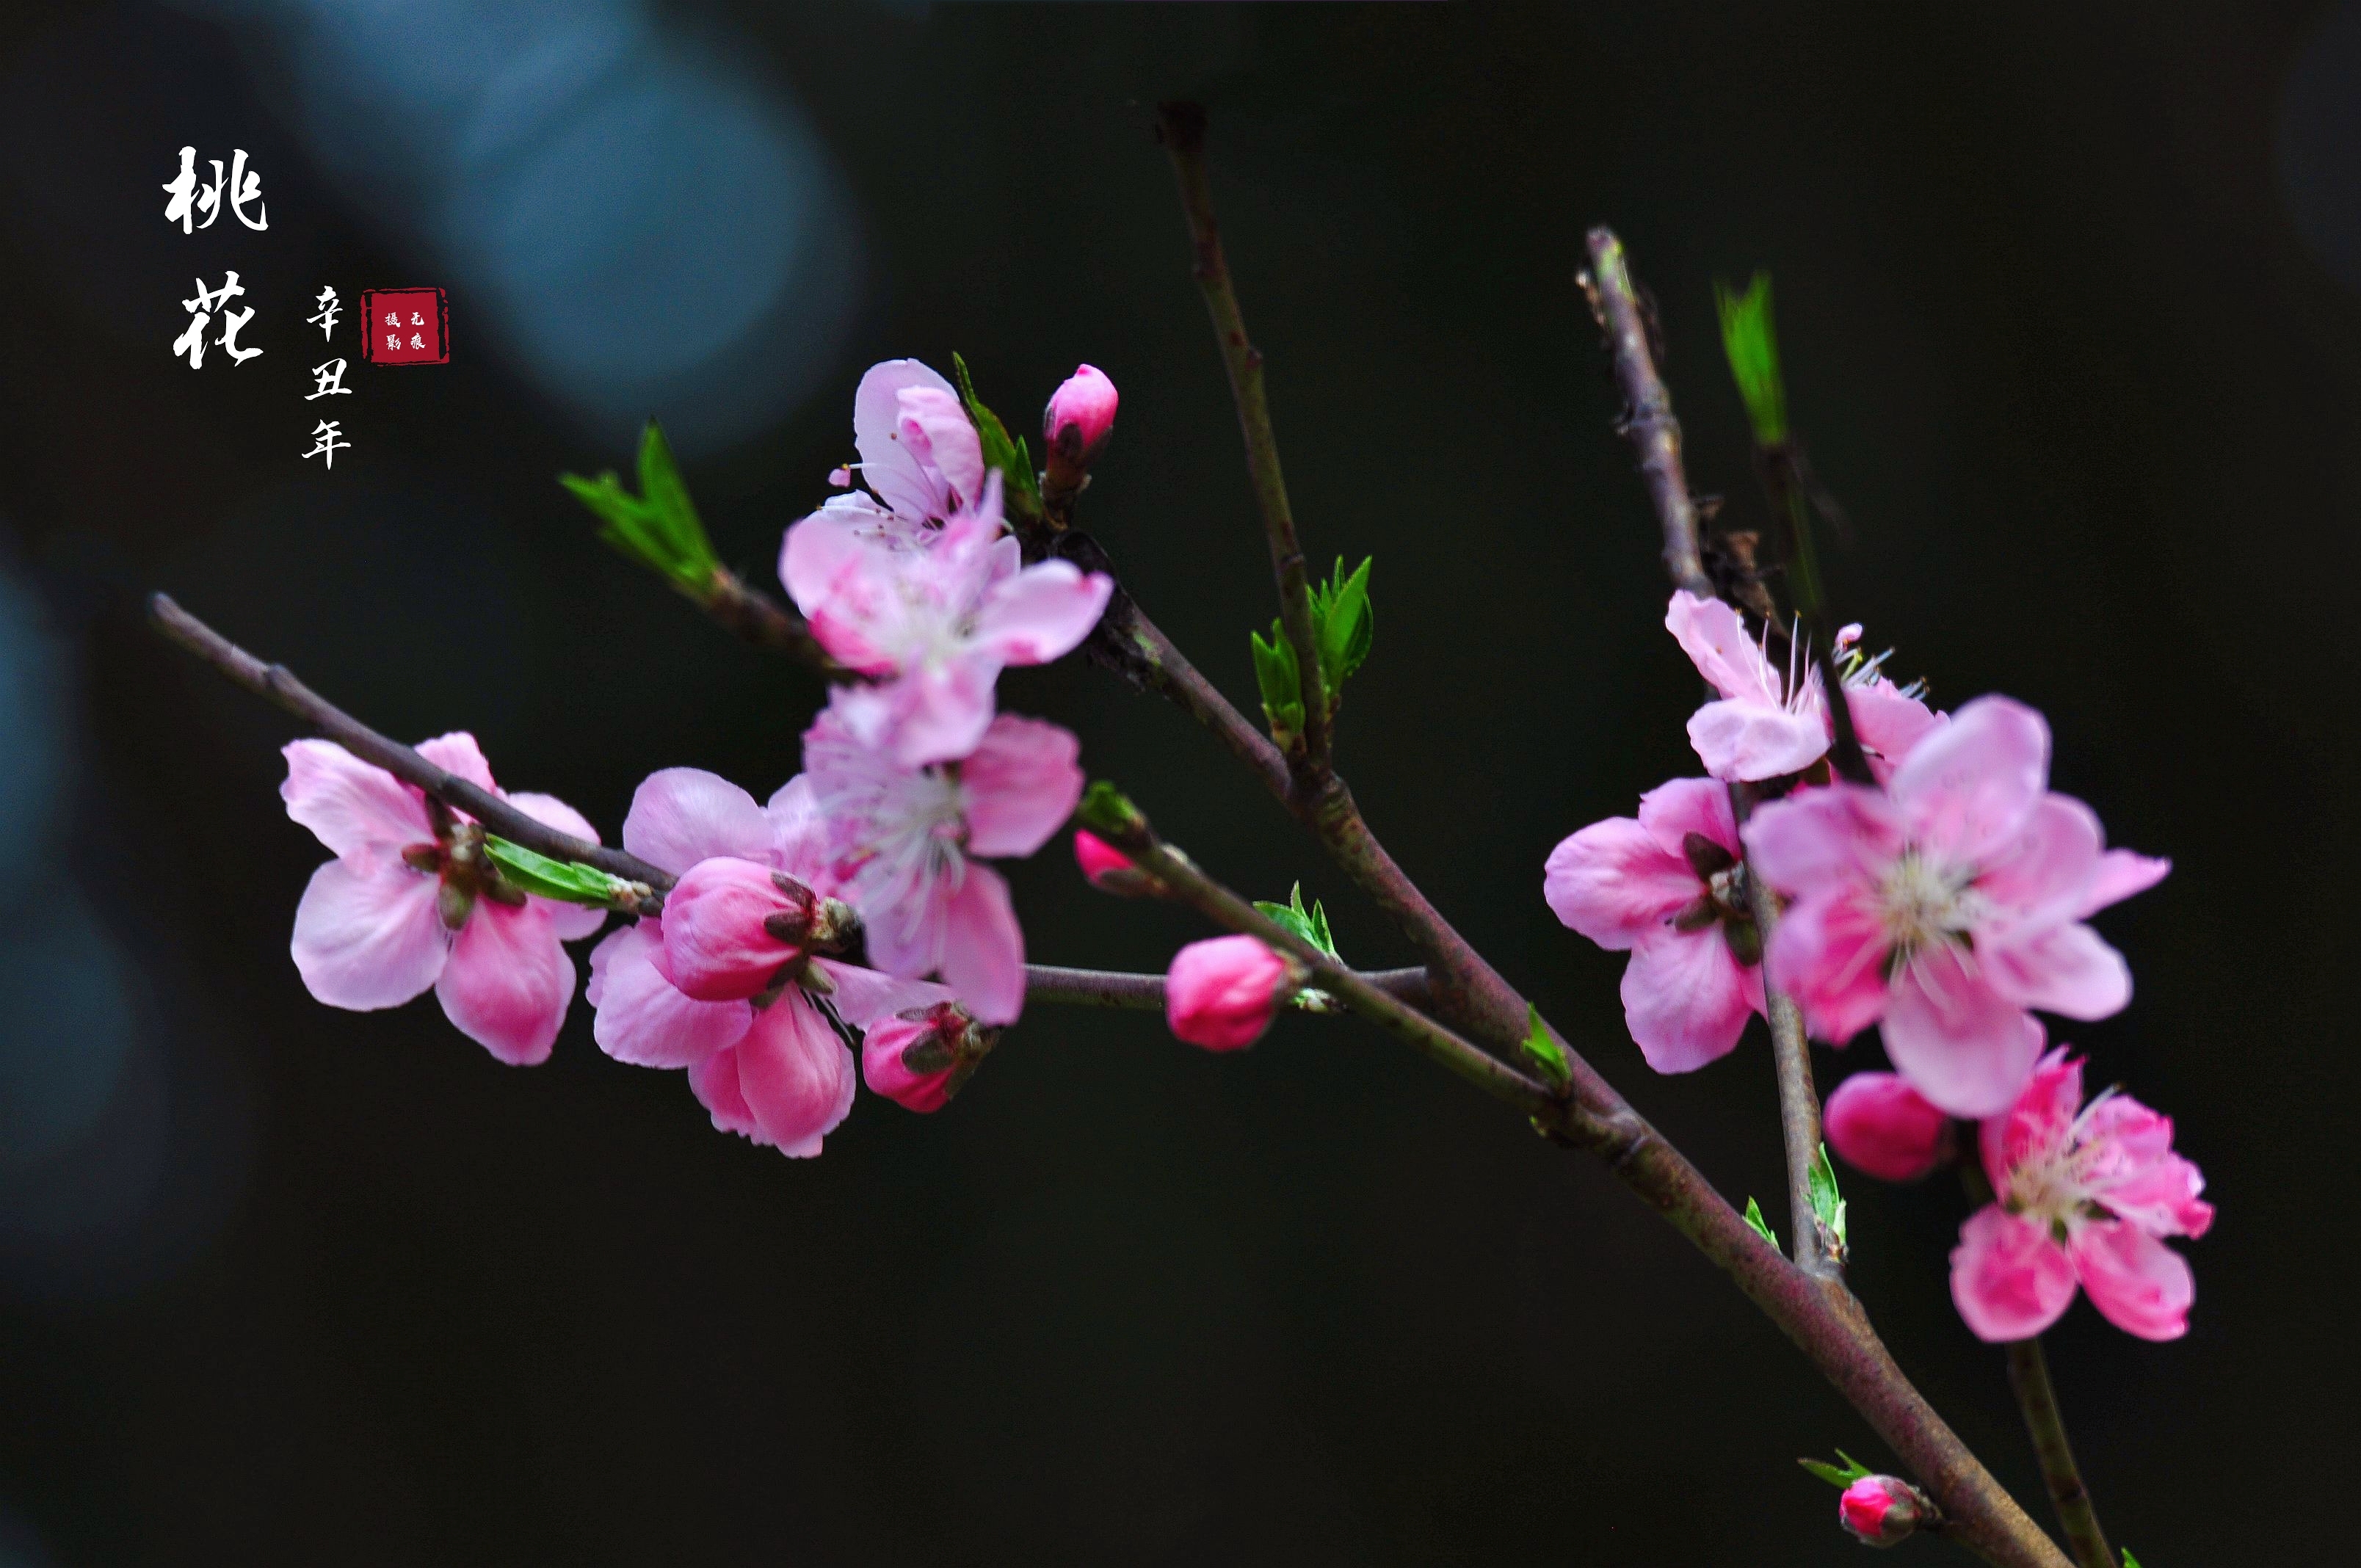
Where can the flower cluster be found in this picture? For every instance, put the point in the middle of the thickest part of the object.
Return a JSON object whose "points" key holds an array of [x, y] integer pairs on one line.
{"points": [[1945, 904], [911, 780]]}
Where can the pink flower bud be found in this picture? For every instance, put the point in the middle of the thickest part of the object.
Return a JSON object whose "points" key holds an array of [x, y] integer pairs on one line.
{"points": [[1220, 993], [1880, 1125], [729, 926], [1109, 868], [1881, 1510], [919, 1058], [1080, 418]]}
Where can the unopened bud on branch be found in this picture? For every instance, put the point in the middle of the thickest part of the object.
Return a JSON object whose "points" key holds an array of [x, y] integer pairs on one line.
{"points": [[919, 1058], [1220, 993], [1109, 868], [1080, 418], [1883, 1510], [1880, 1125], [729, 926]]}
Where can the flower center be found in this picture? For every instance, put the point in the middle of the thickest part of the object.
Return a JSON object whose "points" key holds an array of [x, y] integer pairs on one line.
{"points": [[1922, 902]]}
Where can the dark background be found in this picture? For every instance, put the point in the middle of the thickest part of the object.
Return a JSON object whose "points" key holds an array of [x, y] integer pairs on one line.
{"points": [[2068, 296]]}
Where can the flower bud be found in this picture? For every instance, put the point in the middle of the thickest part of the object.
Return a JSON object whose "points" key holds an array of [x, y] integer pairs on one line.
{"points": [[1220, 993], [1109, 868], [1075, 427], [729, 926], [1881, 1510], [919, 1058], [1880, 1125]]}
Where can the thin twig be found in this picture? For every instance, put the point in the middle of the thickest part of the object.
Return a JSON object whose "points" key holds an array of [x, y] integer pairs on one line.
{"points": [[278, 684], [1181, 129], [2028, 1374], [1101, 988], [1648, 409]]}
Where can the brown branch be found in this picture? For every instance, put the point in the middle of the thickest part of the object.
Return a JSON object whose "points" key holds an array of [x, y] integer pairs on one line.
{"points": [[1648, 409], [2029, 1375], [767, 624], [1145, 992], [1181, 129], [278, 684]]}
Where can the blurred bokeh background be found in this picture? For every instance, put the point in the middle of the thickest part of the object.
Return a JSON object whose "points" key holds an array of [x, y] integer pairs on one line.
{"points": [[2071, 303]]}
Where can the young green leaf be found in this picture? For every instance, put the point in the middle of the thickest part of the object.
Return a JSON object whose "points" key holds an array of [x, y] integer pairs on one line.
{"points": [[1752, 346], [569, 882], [1762, 1226], [1109, 813], [1827, 1203], [1343, 623], [1305, 925], [1021, 489], [2129, 1561], [659, 528], [1280, 681], [1838, 1476], [1543, 1051]]}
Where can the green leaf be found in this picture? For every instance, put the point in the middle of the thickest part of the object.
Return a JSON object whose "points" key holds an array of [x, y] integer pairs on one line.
{"points": [[1022, 488], [1305, 925], [2129, 1561], [659, 526], [1109, 813], [1752, 346], [569, 882], [1762, 1226], [1280, 681], [1543, 1051], [1828, 1204], [1838, 1476], [1343, 623]]}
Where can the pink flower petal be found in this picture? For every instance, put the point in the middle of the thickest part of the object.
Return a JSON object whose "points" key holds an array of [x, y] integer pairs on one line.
{"points": [[458, 754], [682, 815], [905, 923], [1888, 724], [1678, 807], [1967, 788], [572, 921], [2139, 1284], [862, 996], [937, 713], [643, 1018], [1965, 1046], [935, 429], [1711, 633], [2037, 1125], [2045, 874], [801, 835], [1021, 784], [1220, 993], [717, 946], [368, 939], [508, 982], [796, 1076], [2009, 1280], [1686, 998], [2068, 970], [714, 1081], [983, 949], [1845, 834], [840, 575], [358, 810], [2121, 874], [891, 469], [1042, 613], [1830, 953], [1615, 884], [1743, 738]]}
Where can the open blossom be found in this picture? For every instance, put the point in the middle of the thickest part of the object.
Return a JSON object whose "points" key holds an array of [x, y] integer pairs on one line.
{"points": [[920, 455], [907, 841], [1220, 993], [1668, 888], [935, 618], [409, 901], [2084, 1195], [777, 1073], [1878, 1124], [1770, 723], [1948, 905]]}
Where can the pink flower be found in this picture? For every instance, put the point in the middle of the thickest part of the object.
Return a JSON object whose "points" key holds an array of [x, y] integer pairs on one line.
{"points": [[1947, 906], [1668, 888], [937, 617], [919, 452], [920, 1057], [776, 1074], [1766, 725], [1080, 418], [1880, 1125], [1881, 1510], [409, 901], [1220, 993], [730, 925], [907, 841], [2082, 1197]]}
